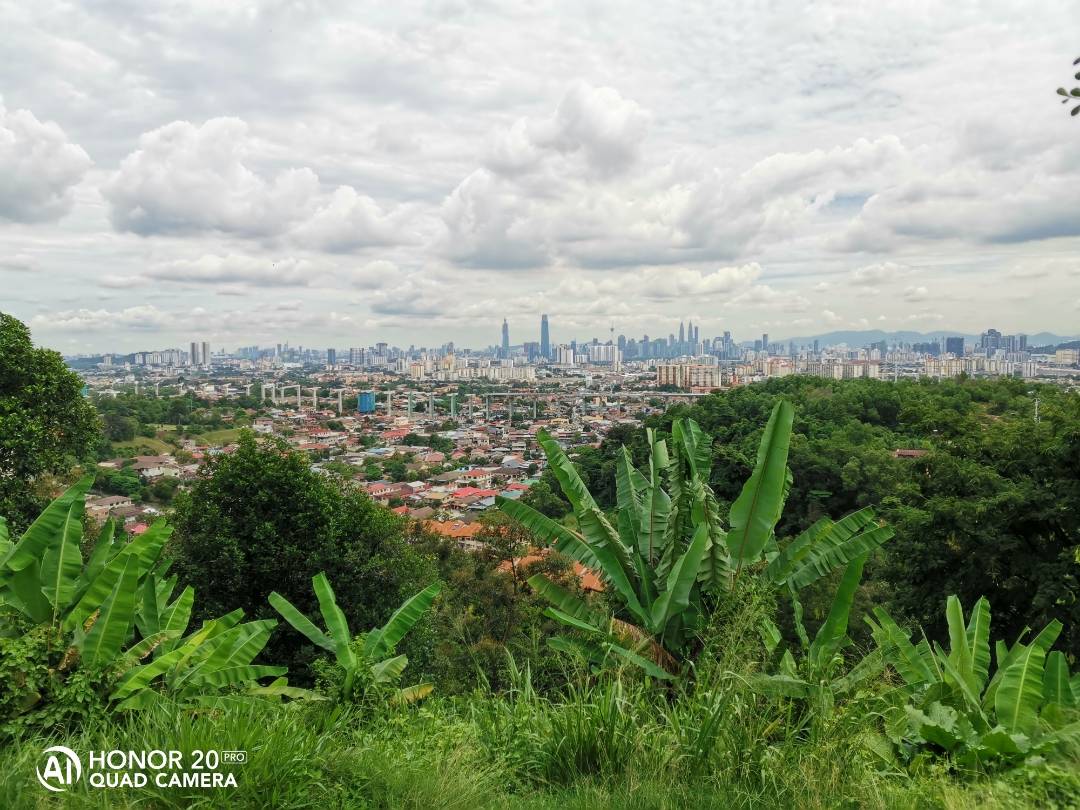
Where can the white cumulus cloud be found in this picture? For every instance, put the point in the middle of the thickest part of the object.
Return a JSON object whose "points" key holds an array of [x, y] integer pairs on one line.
{"points": [[39, 168]]}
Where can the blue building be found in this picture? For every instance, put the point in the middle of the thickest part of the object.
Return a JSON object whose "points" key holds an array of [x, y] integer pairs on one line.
{"points": [[365, 403]]}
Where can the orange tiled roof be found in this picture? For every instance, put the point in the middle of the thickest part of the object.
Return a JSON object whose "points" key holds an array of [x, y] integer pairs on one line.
{"points": [[454, 529], [586, 576]]}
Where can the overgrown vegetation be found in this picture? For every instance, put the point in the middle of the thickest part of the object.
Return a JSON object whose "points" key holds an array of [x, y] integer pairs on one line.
{"points": [[725, 663], [261, 520]]}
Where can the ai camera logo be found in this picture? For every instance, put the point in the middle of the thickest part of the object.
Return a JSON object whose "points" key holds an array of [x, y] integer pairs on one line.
{"points": [[63, 768]]}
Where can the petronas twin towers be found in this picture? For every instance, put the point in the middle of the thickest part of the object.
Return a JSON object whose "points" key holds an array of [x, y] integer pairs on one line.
{"points": [[690, 334]]}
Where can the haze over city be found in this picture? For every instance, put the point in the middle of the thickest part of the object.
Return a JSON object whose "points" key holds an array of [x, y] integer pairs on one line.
{"points": [[336, 175]]}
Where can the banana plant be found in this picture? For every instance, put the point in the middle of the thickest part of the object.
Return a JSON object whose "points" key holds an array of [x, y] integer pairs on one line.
{"points": [[372, 659], [44, 578], [667, 544], [111, 611], [817, 675], [952, 704], [211, 667]]}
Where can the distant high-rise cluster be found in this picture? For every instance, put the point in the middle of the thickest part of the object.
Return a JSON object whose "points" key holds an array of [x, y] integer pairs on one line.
{"points": [[992, 340]]}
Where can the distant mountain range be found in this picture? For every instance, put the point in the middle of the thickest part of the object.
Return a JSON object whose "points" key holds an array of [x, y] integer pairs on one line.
{"points": [[865, 337]]}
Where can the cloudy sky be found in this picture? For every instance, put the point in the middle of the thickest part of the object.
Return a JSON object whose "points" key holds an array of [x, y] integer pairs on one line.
{"points": [[331, 173]]}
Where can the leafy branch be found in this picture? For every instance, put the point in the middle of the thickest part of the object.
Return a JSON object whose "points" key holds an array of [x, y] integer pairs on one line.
{"points": [[1070, 95]]}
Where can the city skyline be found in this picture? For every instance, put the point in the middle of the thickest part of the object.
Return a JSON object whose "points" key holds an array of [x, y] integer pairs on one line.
{"points": [[425, 179], [677, 343]]}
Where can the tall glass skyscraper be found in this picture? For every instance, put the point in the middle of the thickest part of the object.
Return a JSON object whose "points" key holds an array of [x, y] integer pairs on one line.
{"points": [[505, 339], [545, 338]]}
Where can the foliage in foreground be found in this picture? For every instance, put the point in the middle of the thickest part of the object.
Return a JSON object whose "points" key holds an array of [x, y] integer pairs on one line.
{"points": [[74, 632], [1071, 95], [369, 659], [613, 744], [606, 737], [951, 704]]}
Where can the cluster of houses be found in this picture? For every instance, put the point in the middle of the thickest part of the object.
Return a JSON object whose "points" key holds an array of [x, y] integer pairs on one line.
{"points": [[445, 491]]}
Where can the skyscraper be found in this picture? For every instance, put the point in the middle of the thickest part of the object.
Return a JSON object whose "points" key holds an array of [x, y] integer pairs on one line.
{"points": [[194, 353], [545, 338], [954, 346], [205, 354], [682, 334], [765, 342], [331, 357], [505, 339]]}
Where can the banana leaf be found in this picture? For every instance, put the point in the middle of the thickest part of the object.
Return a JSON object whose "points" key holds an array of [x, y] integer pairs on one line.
{"points": [[564, 600], [411, 694], [335, 622], [960, 659], [833, 632], [61, 563], [112, 628], [45, 530], [390, 669], [675, 597], [898, 650], [978, 641], [1020, 692], [300, 622], [383, 641], [757, 509], [549, 531], [229, 676], [1056, 686]]}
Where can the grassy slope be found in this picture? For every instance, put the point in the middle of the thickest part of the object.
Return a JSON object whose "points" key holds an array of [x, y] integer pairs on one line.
{"points": [[442, 756], [219, 437], [155, 446]]}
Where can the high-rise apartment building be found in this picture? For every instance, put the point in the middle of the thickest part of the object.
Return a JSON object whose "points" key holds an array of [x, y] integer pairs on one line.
{"points": [[688, 376], [604, 353], [205, 354], [954, 346]]}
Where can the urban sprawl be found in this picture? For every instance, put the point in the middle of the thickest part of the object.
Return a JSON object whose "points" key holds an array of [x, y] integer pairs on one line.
{"points": [[438, 433]]}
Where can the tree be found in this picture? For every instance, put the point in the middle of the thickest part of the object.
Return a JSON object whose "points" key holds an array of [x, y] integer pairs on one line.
{"points": [[260, 519], [46, 425], [118, 428], [544, 496]]}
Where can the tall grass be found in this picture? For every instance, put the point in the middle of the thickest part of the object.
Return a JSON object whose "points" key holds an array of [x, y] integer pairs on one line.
{"points": [[613, 743]]}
